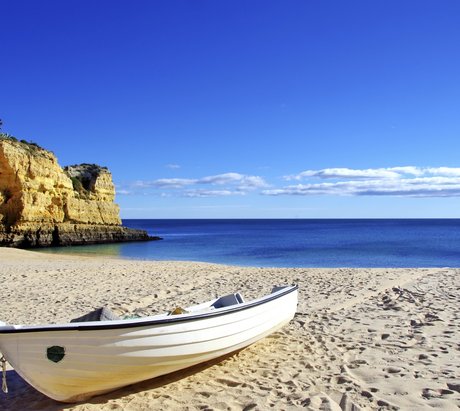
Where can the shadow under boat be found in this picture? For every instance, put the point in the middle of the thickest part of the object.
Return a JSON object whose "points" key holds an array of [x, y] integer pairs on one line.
{"points": [[18, 388]]}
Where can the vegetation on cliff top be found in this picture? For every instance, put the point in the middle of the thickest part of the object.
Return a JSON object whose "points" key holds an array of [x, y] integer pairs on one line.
{"points": [[29, 145], [81, 175]]}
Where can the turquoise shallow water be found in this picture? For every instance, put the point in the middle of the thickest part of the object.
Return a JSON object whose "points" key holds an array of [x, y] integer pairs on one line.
{"points": [[294, 243]]}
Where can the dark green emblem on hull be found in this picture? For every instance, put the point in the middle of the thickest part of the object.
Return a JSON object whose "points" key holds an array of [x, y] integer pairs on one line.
{"points": [[55, 353]]}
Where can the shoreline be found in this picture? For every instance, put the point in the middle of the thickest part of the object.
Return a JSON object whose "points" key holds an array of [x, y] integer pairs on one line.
{"points": [[375, 338], [127, 258]]}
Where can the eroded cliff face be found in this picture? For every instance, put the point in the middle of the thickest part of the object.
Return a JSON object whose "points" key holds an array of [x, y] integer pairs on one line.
{"points": [[42, 204], [93, 196]]}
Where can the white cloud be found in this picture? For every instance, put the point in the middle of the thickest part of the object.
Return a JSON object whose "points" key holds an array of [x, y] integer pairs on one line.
{"points": [[411, 187], [375, 173], [346, 173], [124, 192], [255, 181], [243, 180], [444, 171], [171, 182], [219, 179], [140, 184], [231, 183], [410, 170], [210, 193], [172, 166], [408, 181]]}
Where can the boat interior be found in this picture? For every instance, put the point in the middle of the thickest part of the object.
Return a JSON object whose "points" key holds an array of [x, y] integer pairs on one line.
{"points": [[228, 300]]}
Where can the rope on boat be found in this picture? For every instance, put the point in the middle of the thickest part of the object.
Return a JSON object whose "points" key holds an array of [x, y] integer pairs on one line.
{"points": [[4, 386]]}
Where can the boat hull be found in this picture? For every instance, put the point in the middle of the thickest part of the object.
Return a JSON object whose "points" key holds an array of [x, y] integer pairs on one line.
{"points": [[97, 360]]}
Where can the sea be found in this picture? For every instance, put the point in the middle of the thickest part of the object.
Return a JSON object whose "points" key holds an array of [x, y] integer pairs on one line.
{"points": [[293, 242]]}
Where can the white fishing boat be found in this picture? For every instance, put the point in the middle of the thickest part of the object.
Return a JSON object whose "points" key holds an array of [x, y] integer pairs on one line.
{"points": [[75, 361]]}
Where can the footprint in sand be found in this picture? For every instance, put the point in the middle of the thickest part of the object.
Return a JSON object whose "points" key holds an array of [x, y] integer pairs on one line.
{"points": [[366, 394], [435, 393], [393, 370], [454, 385]]}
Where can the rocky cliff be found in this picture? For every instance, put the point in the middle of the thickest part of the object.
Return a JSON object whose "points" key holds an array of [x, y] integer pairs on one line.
{"points": [[42, 204]]}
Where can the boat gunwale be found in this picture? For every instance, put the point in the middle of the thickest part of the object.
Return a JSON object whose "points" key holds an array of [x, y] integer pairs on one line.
{"points": [[140, 323]]}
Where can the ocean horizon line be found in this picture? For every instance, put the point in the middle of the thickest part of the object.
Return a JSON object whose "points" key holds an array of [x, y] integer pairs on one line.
{"points": [[295, 218]]}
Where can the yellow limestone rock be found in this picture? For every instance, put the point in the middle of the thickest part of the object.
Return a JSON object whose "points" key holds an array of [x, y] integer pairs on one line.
{"points": [[43, 204], [94, 196]]}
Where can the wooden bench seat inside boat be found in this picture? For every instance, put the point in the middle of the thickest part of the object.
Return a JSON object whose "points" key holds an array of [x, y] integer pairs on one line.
{"points": [[100, 314], [228, 300]]}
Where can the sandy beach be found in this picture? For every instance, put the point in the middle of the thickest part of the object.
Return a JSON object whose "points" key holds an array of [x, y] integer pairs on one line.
{"points": [[362, 339]]}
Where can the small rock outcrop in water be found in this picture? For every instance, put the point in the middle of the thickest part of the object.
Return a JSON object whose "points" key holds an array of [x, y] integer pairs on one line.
{"points": [[42, 204]]}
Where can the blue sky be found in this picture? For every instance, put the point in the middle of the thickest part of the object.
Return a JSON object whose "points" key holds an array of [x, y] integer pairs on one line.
{"points": [[244, 109]]}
